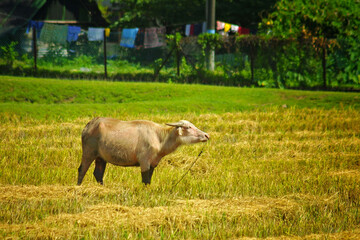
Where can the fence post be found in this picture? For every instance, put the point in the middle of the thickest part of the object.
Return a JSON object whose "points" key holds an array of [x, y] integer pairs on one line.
{"points": [[177, 57], [210, 28], [324, 63], [34, 48], [252, 62], [105, 62]]}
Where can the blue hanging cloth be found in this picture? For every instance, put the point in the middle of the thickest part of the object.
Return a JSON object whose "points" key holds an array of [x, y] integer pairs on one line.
{"points": [[128, 37], [38, 26], [73, 33]]}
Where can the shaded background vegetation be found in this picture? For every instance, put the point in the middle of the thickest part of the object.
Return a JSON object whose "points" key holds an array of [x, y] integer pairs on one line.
{"points": [[297, 44]]}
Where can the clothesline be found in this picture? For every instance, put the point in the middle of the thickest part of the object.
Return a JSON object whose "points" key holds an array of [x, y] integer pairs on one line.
{"points": [[226, 28], [130, 37], [60, 33]]}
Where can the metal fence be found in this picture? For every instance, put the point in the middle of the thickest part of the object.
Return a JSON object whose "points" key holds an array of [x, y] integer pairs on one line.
{"points": [[247, 61]]}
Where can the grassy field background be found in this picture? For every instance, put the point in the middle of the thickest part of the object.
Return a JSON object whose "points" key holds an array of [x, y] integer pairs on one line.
{"points": [[280, 164]]}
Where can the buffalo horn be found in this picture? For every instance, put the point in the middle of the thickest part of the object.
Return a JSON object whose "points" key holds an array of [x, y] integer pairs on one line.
{"points": [[177, 124]]}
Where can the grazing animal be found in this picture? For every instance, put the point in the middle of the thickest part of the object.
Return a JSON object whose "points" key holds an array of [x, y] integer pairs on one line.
{"points": [[132, 143]]}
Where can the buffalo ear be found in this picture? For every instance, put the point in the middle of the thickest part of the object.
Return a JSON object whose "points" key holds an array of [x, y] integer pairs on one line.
{"points": [[180, 131]]}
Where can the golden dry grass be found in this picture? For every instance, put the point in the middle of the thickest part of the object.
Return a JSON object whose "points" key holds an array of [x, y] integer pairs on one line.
{"points": [[274, 174], [181, 214]]}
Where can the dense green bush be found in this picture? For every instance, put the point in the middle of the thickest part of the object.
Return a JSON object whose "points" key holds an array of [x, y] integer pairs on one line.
{"points": [[9, 54]]}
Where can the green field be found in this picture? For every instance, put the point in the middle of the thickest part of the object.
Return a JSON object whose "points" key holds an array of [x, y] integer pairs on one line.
{"points": [[280, 164]]}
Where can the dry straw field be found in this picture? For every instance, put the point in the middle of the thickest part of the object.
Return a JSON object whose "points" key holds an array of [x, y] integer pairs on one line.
{"points": [[278, 173], [280, 164]]}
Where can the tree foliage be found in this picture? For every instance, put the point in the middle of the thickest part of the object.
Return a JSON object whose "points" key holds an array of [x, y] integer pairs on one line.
{"points": [[331, 24], [246, 13], [145, 13], [142, 13], [314, 18]]}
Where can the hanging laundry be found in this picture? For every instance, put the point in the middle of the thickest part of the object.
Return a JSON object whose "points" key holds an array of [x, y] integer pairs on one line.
{"points": [[189, 30], [128, 37], [220, 25], [224, 28], [243, 31], [154, 37], [95, 34], [38, 26], [227, 27], [73, 33], [204, 27], [139, 40], [107, 32], [197, 29], [234, 28], [54, 33]]}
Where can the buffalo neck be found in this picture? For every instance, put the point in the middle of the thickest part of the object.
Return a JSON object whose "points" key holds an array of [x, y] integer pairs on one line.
{"points": [[169, 141]]}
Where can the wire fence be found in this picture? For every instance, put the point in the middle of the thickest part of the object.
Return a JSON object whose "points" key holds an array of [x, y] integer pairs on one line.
{"points": [[239, 61]]}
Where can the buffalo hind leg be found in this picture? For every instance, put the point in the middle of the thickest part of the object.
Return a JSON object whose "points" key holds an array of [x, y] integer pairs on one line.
{"points": [[84, 166], [146, 176], [99, 170]]}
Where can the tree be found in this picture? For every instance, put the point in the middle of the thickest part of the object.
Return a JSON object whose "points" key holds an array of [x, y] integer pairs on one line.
{"points": [[246, 13], [147, 13], [316, 18], [328, 24], [170, 13]]}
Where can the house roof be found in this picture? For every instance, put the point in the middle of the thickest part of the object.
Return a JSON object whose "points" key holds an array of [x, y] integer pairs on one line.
{"points": [[15, 14]]}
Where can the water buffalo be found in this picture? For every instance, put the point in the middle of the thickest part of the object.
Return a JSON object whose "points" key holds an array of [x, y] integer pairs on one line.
{"points": [[132, 143]]}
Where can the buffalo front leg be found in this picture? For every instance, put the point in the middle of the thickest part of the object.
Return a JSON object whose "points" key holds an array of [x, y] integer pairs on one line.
{"points": [[146, 175], [99, 170]]}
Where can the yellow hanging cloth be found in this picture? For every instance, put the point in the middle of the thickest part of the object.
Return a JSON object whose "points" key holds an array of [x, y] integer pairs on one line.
{"points": [[107, 32], [227, 27]]}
